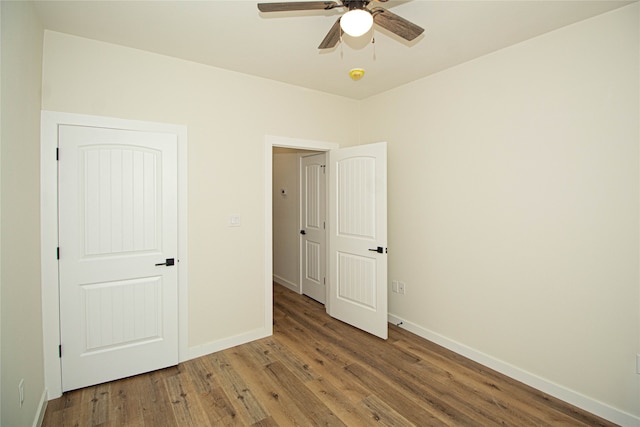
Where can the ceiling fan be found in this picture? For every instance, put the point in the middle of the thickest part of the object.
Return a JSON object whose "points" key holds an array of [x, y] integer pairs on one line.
{"points": [[356, 22]]}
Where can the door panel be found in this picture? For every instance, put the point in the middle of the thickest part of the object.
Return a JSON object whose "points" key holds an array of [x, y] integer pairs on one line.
{"points": [[357, 227], [118, 220], [120, 202], [357, 280], [121, 312], [313, 241]]}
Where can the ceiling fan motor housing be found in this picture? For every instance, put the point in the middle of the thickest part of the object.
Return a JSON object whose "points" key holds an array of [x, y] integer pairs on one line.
{"points": [[355, 4]]}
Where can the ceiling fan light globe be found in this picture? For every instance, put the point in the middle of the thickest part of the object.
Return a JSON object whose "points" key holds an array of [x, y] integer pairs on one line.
{"points": [[356, 22]]}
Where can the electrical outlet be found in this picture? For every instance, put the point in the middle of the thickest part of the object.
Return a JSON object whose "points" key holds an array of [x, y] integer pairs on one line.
{"points": [[394, 286], [21, 391], [401, 288]]}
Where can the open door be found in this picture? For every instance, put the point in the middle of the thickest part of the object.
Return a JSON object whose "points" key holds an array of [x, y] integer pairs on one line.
{"points": [[312, 226], [358, 237]]}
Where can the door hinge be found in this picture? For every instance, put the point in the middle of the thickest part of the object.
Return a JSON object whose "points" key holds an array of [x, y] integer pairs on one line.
{"points": [[58, 252], [324, 168], [57, 154], [60, 351], [324, 280], [324, 225]]}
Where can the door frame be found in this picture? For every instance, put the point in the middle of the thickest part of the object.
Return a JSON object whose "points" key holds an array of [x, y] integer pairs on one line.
{"points": [[50, 121], [271, 141]]}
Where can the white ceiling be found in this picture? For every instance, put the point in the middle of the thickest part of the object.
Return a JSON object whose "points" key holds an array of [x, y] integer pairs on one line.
{"points": [[283, 46]]}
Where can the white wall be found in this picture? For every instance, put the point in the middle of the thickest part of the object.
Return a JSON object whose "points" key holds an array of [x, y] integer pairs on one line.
{"points": [[514, 206], [21, 324], [227, 115]]}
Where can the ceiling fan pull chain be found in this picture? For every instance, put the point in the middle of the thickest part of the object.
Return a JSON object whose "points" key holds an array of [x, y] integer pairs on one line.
{"points": [[373, 42]]}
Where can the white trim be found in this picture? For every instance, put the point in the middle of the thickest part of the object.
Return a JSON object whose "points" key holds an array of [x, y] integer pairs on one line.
{"points": [[570, 396], [296, 143], [271, 141], [49, 230], [225, 343], [287, 284], [42, 408], [268, 236]]}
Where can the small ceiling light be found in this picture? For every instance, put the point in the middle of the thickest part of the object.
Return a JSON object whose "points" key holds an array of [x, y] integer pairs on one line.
{"points": [[356, 74], [356, 22]]}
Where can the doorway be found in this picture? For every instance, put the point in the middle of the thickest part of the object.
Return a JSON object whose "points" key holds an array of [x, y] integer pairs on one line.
{"points": [[299, 212], [357, 237], [276, 143]]}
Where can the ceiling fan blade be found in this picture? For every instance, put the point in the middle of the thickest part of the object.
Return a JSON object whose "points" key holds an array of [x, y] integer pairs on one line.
{"points": [[332, 38], [396, 24], [296, 5]]}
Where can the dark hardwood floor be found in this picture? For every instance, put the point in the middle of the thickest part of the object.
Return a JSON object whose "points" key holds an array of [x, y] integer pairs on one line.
{"points": [[315, 370]]}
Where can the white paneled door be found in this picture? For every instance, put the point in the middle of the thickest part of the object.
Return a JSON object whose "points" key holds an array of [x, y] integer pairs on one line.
{"points": [[313, 236], [118, 253], [358, 237]]}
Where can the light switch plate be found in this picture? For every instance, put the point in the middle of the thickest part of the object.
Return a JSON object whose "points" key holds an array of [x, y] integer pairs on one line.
{"points": [[234, 221]]}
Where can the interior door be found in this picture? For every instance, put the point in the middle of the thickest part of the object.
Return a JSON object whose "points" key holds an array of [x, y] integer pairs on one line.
{"points": [[118, 248], [312, 231], [358, 237]]}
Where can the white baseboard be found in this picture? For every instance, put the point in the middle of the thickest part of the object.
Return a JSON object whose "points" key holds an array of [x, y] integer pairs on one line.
{"points": [[287, 284], [223, 344], [570, 396], [42, 408]]}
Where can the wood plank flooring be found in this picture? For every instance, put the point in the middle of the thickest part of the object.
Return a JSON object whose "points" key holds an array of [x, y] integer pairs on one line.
{"points": [[314, 371]]}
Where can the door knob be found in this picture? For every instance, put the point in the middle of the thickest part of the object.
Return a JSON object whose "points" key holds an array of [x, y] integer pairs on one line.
{"points": [[379, 249], [168, 262], [303, 232]]}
